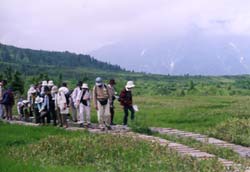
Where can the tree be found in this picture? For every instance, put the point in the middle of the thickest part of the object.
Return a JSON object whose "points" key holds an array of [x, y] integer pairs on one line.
{"points": [[17, 83], [191, 85], [8, 74], [59, 80]]}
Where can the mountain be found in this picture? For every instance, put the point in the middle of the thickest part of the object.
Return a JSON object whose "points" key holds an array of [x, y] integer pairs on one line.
{"points": [[33, 62], [195, 54]]}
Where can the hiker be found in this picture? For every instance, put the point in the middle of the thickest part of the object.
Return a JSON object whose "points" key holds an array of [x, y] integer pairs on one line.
{"points": [[25, 110], [8, 101], [37, 109], [50, 84], [52, 110], [102, 100], [74, 107], [31, 99], [2, 85], [66, 92], [61, 107], [44, 111], [127, 102], [20, 108], [44, 84], [83, 101], [112, 92]]}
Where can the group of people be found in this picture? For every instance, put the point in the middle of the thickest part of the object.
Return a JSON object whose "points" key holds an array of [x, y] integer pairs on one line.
{"points": [[47, 102]]}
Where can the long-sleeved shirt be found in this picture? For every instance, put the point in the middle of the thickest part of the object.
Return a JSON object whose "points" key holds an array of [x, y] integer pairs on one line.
{"points": [[75, 93], [86, 96], [1, 92]]}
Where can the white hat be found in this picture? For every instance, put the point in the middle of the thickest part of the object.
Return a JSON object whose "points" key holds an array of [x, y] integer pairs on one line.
{"points": [[44, 83], [130, 84], [20, 104], [54, 89], [32, 90], [64, 90], [84, 85], [25, 101], [50, 83], [38, 100]]}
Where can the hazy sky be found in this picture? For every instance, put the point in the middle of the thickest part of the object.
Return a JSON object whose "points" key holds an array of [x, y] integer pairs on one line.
{"points": [[85, 25]]}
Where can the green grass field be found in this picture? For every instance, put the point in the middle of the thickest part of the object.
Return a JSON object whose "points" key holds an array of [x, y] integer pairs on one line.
{"points": [[38, 149], [203, 114], [53, 149]]}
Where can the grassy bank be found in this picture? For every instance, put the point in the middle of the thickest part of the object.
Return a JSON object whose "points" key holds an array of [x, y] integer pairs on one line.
{"points": [[27, 149]]}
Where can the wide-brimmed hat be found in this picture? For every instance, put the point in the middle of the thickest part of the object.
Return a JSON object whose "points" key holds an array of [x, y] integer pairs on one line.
{"points": [[25, 101], [54, 89], [98, 81], [44, 83], [50, 83], [130, 84], [64, 90], [32, 90], [38, 100], [84, 85]]}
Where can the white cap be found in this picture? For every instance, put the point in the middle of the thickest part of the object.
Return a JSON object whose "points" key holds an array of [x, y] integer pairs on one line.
{"points": [[50, 83], [130, 84], [98, 81], [38, 100], [54, 89], [84, 85], [44, 83]]}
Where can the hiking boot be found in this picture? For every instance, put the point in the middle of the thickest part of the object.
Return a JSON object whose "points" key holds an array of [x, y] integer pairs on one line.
{"points": [[89, 125], [102, 129], [109, 128]]}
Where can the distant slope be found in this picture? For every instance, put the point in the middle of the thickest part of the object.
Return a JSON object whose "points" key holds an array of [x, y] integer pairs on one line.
{"points": [[195, 54], [30, 61]]}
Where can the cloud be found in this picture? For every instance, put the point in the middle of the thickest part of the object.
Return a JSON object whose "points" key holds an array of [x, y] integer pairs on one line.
{"points": [[85, 25]]}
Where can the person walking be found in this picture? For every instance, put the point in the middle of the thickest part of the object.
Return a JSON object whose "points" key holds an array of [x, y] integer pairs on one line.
{"points": [[102, 99], [112, 108], [74, 108], [44, 84], [8, 101], [31, 99], [52, 110], [61, 107], [37, 108], [2, 85], [126, 101], [83, 101], [45, 110]]}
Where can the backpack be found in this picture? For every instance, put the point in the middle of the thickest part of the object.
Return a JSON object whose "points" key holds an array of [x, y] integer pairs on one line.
{"points": [[8, 98], [67, 95]]}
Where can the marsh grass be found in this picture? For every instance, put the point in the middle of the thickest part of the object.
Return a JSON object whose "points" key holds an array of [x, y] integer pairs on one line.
{"points": [[50, 149]]}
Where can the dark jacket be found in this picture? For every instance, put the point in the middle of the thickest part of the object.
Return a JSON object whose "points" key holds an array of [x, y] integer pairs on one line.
{"points": [[126, 98], [8, 98]]}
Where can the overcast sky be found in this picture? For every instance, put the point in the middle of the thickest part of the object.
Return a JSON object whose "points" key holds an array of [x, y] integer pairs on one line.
{"points": [[85, 25]]}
